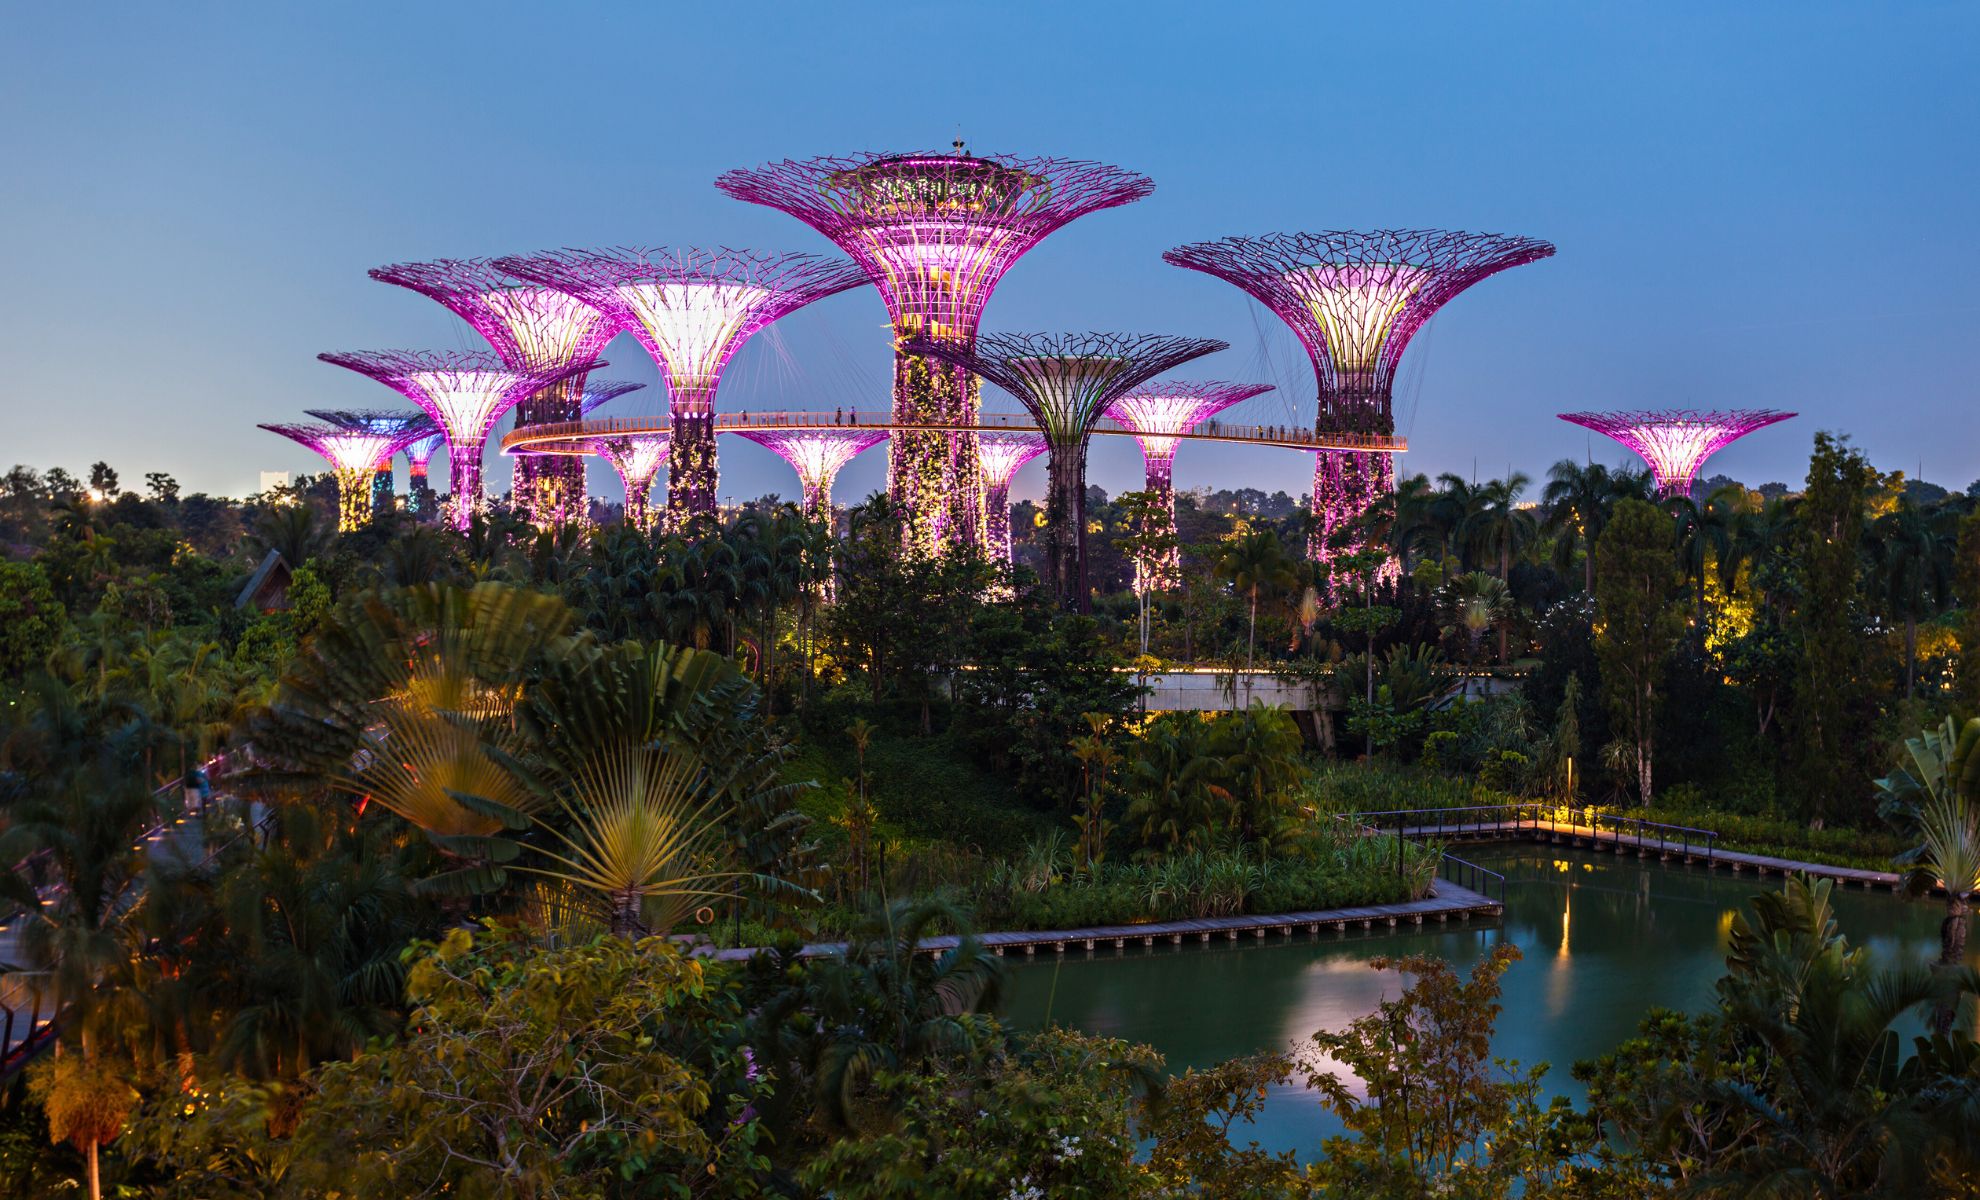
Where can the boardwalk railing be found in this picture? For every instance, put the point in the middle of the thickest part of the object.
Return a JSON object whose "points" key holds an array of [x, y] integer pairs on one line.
{"points": [[1530, 817], [1483, 880]]}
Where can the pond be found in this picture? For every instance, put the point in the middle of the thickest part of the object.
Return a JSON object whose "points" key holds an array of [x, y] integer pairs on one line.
{"points": [[1605, 939]]}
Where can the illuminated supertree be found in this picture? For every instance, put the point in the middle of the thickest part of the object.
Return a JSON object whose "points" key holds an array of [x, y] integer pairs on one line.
{"points": [[637, 457], [816, 455], [353, 456], [936, 232], [465, 393], [692, 310], [1157, 414], [1002, 455], [419, 453], [1355, 299], [1677, 441], [1067, 381], [556, 500], [532, 329], [402, 427]]}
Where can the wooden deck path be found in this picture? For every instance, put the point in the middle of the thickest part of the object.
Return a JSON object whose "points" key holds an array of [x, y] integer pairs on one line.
{"points": [[1565, 833], [1446, 901]]}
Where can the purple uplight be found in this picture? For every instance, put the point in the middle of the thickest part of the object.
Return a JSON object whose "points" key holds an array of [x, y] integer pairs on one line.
{"points": [[465, 393], [816, 455], [1676, 442], [935, 233], [1157, 414], [1355, 299], [692, 310]]}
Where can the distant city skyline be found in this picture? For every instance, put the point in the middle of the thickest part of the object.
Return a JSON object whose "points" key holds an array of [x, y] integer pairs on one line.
{"points": [[1762, 207]]}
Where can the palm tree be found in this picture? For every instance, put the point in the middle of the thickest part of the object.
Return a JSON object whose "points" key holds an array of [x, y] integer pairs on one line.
{"points": [[1452, 511], [1472, 604], [1414, 529], [1576, 506], [1913, 573], [1704, 534], [292, 531], [1254, 562], [1932, 797], [1501, 527]]}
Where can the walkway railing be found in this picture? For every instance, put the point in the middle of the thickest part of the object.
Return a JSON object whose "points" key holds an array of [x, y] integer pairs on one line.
{"points": [[1535, 817], [569, 437], [1483, 880]]}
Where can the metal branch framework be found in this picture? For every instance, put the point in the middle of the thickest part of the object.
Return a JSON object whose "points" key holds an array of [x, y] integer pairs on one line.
{"points": [[1355, 299], [817, 456], [402, 427], [353, 455], [531, 328], [1066, 382], [692, 310], [1675, 442], [465, 393], [1002, 455], [638, 459], [935, 233], [1159, 413]]}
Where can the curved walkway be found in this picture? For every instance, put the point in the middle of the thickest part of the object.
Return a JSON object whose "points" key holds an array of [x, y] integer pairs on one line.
{"points": [[1446, 901]]}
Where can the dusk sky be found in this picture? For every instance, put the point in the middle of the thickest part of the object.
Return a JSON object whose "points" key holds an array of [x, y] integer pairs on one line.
{"points": [[1773, 206]]}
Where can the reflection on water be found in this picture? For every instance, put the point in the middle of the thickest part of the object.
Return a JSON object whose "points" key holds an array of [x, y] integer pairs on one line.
{"points": [[1605, 939]]}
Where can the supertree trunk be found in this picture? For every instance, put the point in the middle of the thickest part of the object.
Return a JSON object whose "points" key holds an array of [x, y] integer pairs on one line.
{"points": [[550, 487], [997, 522], [1166, 572], [691, 469], [353, 498], [381, 489], [463, 484], [935, 474], [419, 492], [1065, 525]]}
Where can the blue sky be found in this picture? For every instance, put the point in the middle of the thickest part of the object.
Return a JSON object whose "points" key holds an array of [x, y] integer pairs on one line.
{"points": [[1756, 205]]}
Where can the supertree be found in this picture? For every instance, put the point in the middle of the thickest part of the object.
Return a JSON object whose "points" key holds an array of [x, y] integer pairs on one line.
{"points": [[533, 329], [936, 232], [1002, 454], [353, 456], [556, 499], [465, 393], [403, 428], [1677, 441], [1157, 414], [637, 457], [692, 310], [419, 454], [1066, 382], [1354, 299], [816, 455]]}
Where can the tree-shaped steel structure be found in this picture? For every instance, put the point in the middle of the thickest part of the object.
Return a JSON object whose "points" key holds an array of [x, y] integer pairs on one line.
{"points": [[419, 456], [637, 457], [1066, 382], [1355, 299], [465, 392], [1675, 442], [353, 455], [816, 455], [1157, 414], [1002, 455], [403, 428], [692, 310], [936, 232], [533, 329]]}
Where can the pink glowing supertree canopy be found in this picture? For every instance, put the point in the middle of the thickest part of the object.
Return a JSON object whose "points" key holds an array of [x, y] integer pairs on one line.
{"points": [[465, 393], [353, 455], [1003, 454], [637, 457], [936, 232], [817, 456], [1157, 414], [531, 328], [1676, 442], [1354, 300], [1066, 382], [692, 310]]}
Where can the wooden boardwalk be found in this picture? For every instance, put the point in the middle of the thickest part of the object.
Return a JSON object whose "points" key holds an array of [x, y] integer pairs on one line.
{"points": [[1446, 902], [1570, 834]]}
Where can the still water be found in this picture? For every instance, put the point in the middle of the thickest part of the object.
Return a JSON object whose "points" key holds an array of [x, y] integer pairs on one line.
{"points": [[1605, 939]]}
